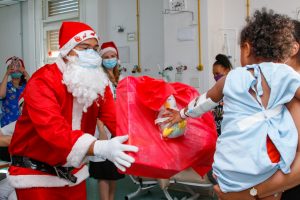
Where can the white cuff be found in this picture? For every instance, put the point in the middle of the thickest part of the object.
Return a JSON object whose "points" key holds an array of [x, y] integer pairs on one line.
{"points": [[182, 113], [200, 105], [79, 150]]}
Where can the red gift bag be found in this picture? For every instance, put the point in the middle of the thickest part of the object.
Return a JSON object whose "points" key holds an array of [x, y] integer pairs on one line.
{"points": [[138, 102]]}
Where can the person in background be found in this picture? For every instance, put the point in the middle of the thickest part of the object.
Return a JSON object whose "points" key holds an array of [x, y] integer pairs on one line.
{"points": [[7, 192], [278, 182], [10, 92], [104, 170], [111, 64], [259, 136], [221, 67], [54, 134]]}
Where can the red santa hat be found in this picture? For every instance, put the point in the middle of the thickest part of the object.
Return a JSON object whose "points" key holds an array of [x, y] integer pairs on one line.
{"points": [[13, 58], [73, 33], [108, 46]]}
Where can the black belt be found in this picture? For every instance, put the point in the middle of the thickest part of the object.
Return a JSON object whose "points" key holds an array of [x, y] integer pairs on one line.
{"points": [[62, 172]]}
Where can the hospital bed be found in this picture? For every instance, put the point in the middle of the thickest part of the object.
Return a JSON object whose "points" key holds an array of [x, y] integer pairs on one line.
{"points": [[187, 181]]}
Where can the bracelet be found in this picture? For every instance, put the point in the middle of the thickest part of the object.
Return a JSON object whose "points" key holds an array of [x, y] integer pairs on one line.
{"points": [[182, 113]]}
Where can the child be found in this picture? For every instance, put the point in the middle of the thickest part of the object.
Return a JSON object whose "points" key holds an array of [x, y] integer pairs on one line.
{"points": [[258, 133], [221, 67]]}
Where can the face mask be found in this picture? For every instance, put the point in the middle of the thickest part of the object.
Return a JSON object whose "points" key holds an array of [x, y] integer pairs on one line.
{"points": [[16, 75], [218, 76], [110, 63], [88, 58]]}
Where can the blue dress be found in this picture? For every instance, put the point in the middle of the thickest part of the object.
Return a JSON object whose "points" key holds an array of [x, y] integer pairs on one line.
{"points": [[10, 108], [241, 159]]}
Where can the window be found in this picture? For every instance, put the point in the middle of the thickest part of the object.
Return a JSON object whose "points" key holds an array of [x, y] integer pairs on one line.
{"points": [[54, 13], [52, 42], [62, 7]]}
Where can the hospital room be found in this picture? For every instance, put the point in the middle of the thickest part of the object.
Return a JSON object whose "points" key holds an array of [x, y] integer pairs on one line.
{"points": [[149, 100]]}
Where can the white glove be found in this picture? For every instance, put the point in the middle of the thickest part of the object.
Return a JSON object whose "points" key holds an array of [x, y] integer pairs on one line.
{"points": [[113, 150]]}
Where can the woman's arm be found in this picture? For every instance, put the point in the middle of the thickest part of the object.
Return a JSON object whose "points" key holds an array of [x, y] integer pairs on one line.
{"points": [[24, 72], [5, 140], [3, 84], [102, 133], [279, 181]]}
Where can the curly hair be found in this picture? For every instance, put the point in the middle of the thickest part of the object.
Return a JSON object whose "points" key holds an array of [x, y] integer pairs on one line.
{"points": [[223, 60], [270, 35], [297, 30], [297, 36]]}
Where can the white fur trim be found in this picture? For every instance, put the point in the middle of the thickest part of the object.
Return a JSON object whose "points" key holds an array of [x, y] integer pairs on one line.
{"points": [[103, 51], [84, 35], [79, 150], [76, 115], [28, 181], [60, 64]]}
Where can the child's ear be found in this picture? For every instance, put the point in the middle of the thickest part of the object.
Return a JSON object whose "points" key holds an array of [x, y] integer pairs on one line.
{"points": [[247, 49], [295, 48]]}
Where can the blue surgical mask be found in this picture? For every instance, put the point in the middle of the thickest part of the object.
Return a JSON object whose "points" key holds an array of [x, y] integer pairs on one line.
{"points": [[110, 63], [88, 58], [16, 75]]}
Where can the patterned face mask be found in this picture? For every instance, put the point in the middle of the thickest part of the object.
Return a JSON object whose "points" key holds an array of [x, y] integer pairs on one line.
{"points": [[16, 75]]}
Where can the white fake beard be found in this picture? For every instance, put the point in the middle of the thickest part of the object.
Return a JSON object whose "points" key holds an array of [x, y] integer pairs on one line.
{"points": [[85, 84]]}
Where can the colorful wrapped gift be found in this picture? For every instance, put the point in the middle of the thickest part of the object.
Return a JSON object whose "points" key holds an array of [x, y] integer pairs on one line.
{"points": [[139, 100]]}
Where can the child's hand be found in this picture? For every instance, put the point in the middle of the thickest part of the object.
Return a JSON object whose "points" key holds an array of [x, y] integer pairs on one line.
{"points": [[174, 117]]}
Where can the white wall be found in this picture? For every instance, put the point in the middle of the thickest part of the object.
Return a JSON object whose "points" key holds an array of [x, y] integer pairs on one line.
{"points": [[238, 8], [30, 36], [122, 13], [158, 45], [18, 35], [10, 32], [186, 52], [151, 36], [179, 52]]}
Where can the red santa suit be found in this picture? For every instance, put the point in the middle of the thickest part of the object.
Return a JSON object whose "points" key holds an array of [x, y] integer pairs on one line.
{"points": [[53, 129]]}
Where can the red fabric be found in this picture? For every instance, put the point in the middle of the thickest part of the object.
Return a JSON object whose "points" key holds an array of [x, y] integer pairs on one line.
{"points": [[44, 130], [69, 29], [106, 45], [273, 152], [137, 106], [77, 192]]}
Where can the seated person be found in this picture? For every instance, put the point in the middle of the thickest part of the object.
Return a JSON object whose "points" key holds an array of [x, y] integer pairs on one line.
{"points": [[6, 190]]}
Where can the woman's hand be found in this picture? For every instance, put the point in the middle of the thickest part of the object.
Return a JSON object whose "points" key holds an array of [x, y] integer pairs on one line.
{"points": [[4, 140], [24, 72], [22, 69], [10, 69], [243, 195]]}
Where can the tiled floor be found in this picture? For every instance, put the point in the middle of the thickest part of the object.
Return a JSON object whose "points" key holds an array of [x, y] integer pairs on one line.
{"points": [[126, 186]]}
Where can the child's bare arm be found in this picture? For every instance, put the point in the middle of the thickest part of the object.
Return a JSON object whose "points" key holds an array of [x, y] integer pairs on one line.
{"points": [[200, 105], [216, 92]]}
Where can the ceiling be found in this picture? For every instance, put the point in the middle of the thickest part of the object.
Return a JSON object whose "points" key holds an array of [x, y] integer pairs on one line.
{"points": [[4, 3]]}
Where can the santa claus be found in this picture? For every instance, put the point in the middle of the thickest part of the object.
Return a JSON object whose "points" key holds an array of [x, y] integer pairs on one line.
{"points": [[53, 135]]}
